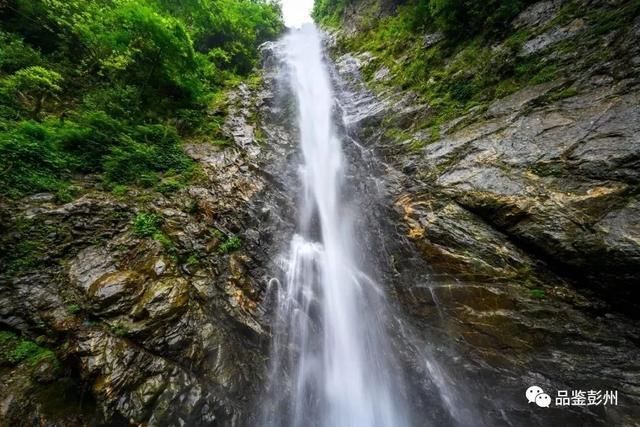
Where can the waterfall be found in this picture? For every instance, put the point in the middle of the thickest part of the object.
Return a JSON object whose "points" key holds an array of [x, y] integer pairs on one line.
{"points": [[331, 363]]}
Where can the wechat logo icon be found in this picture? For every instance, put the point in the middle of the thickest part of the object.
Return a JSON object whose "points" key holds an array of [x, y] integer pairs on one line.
{"points": [[537, 395]]}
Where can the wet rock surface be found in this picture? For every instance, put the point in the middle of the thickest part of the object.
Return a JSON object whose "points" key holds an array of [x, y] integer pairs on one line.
{"points": [[157, 330], [517, 254]]}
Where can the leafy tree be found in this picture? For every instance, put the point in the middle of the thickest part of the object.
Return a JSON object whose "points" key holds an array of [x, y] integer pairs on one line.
{"points": [[133, 43], [32, 87]]}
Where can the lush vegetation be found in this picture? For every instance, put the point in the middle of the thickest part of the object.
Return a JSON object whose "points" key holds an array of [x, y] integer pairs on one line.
{"points": [[113, 87], [458, 18], [459, 55]]}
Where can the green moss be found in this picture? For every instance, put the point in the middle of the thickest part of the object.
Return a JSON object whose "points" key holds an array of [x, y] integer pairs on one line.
{"points": [[193, 261], [506, 87], [435, 132], [120, 190], [564, 93], [460, 73], [608, 19], [396, 134], [216, 233], [74, 309], [548, 169], [545, 74], [16, 350], [537, 293], [164, 240], [232, 243], [119, 329], [254, 81], [6, 336], [31, 242]]}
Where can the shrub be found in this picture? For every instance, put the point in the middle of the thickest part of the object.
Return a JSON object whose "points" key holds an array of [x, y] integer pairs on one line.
{"points": [[146, 224], [328, 12], [144, 151], [31, 161], [119, 329], [87, 137], [164, 240]]}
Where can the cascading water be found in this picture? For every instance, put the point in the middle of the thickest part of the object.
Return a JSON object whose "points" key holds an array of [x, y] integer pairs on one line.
{"points": [[330, 357]]}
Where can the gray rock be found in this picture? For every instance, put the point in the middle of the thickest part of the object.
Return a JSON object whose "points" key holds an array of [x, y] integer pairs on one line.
{"points": [[382, 75], [552, 36], [432, 39], [90, 264], [537, 14], [516, 101]]}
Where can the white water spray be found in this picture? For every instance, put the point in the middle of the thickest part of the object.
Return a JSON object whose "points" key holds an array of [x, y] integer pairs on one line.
{"points": [[331, 363]]}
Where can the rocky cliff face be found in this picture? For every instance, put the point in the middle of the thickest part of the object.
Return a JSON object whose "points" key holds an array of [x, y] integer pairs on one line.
{"points": [[509, 240], [157, 327], [525, 209], [552, 166]]}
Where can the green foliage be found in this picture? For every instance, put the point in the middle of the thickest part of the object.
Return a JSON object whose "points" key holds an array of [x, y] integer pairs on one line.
{"points": [[164, 240], [15, 54], [31, 161], [119, 101], [24, 350], [74, 309], [469, 17], [15, 350], [30, 88], [42, 156], [565, 93], [328, 12], [135, 45], [457, 18], [143, 151], [233, 243], [120, 190], [193, 261], [169, 186], [464, 71], [119, 329], [146, 224], [130, 79]]}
